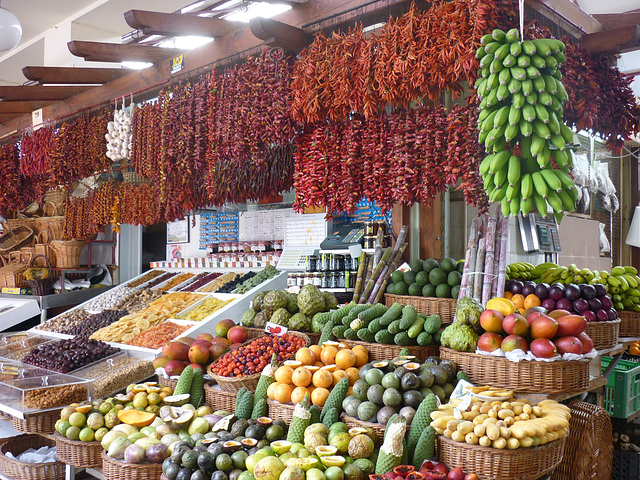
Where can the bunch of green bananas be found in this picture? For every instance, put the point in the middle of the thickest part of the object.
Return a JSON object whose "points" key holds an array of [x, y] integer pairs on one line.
{"points": [[521, 96], [520, 270]]}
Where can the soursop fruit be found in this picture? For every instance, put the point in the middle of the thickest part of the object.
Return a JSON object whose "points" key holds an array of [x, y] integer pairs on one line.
{"points": [[459, 337], [257, 301], [310, 300], [274, 300], [248, 317], [260, 320], [281, 317], [300, 322], [292, 303], [330, 300]]}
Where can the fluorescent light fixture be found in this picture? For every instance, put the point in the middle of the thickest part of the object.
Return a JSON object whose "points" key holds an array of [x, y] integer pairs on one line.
{"points": [[229, 4], [254, 10], [136, 65], [373, 27], [192, 7], [150, 39], [185, 43], [206, 14]]}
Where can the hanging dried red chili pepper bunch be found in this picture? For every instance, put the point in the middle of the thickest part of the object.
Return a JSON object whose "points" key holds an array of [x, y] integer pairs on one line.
{"points": [[34, 152], [251, 130], [78, 149], [9, 179]]}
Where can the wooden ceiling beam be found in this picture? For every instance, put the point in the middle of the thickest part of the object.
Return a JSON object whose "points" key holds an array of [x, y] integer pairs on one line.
{"points": [[175, 24], [113, 52], [21, 106], [73, 75], [39, 92], [612, 41], [278, 34], [617, 20], [9, 116]]}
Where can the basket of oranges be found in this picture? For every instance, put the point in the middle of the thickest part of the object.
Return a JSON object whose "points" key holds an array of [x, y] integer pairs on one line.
{"points": [[314, 372]]}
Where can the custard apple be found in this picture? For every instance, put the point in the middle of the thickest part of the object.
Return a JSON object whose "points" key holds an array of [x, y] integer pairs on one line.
{"points": [[459, 337], [260, 320], [257, 301], [330, 301], [274, 300], [310, 300], [292, 303], [281, 317], [248, 317], [300, 322]]}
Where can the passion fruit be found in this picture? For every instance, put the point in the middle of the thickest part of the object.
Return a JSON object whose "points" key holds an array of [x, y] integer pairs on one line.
{"points": [[333, 461], [415, 476], [231, 446], [248, 443], [265, 422], [325, 450], [412, 366]]}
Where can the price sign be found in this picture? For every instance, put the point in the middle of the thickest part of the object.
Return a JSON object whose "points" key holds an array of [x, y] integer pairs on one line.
{"points": [[275, 329]]}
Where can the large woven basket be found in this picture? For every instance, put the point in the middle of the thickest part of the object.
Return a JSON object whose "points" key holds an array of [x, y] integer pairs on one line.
{"points": [[13, 276], [588, 453], [525, 376], [219, 399], [67, 252], [28, 471], [116, 470], [629, 323], [41, 286], [354, 422], [40, 423], [381, 351], [79, 454], [604, 334], [258, 332], [444, 307], [493, 464], [53, 226], [250, 382], [13, 240]]}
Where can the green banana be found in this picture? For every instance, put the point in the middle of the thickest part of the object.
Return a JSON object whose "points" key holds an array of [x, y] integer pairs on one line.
{"points": [[514, 85], [514, 115], [513, 172], [516, 49], [499, 161], [552, 180], [539, 184], [526, 186], [537, 144], [526, 129], [498, 35], [567, 202], [541, 129], [554, 201], [528, 113], [504, 77], [538, 62], [541, 113], [523, 61]]}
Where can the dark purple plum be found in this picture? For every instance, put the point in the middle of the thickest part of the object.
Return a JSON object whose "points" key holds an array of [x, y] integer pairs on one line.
{"points": [[600, 290], [580, 305], [589, 316], [595, 304], [602, 315], [606, 302], [564, 304], [587, 291], [542, 291], [509, 284], [549, 304], [612, 313], [528, 288], [556, 292], [516, 287], [572, 292]]}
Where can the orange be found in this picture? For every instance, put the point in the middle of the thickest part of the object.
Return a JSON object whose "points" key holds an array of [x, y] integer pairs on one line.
{"points": [[508, 295], [301, 377], [518, 300], [298, 394], [353, 373], [338, 375], [283, 374], [319, 396], [521, 310], [362, 355], [306, 356], [330, 368], [328, 355], [271, 390], [345, 358], [317, 350], [532, 300], [283, 393], [322, 378]]}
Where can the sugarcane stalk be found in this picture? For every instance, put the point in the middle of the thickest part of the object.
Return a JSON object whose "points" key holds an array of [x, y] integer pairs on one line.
{"points": [[377, 255], [381, 284], [477, 284], [502, 265], [496, 253], [379, 238], [362, 265], [468, 277], [488, 264], [371, 279]]}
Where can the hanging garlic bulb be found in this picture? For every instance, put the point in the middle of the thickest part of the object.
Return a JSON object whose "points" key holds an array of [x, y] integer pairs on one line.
{"points": [[118, 137]]}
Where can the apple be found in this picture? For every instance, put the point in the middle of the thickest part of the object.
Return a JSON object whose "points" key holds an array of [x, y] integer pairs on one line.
{"points": [[568, 344], [543, 348], [544, 327], [489, 341], [587, 343], [514, 342], [572, 325], [515, 324], [491, 321]]}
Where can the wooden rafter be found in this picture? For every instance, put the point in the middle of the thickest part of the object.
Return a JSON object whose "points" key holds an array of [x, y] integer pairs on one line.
{"points": [[39, 92], [175, 24], [113, 52], [617, 20], [72, 75], [612, 41], [21, 106], [278, 34]]}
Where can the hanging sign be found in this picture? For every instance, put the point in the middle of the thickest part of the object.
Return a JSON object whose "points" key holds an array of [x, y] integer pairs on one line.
{"points": [[36, 117], [177, 64]]}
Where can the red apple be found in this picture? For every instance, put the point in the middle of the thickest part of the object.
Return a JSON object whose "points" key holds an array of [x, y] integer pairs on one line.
{"points": [[544, 327], [515, 324], [204, 336], [558, 313], [186, 340], [543, 348], [199, 353], [491, 321], [175, 367], [572, 325], [513, 342], [237, 334], [587, 343], [455, 474], [176, 351], [223, 327], [568, 344], [489, 341]]}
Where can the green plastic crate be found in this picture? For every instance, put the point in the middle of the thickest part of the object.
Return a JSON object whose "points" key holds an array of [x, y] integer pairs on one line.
{"points": [[622, 392]]}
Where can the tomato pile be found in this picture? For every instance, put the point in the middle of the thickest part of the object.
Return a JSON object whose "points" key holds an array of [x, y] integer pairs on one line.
{"points": [[253, 357]]}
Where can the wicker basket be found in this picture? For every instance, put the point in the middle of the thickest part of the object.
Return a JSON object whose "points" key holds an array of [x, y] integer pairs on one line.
{"points": [[52, 226], [168, 382], [13, 276], [250, 382], [41, 423], [57, 196], [67, 253], [354, 422], [492, 464], [13, 240], [629, 323], [28, 471], [116, 470], [41, 286], [219, 399], [78, 454], [588, 453], [381, 351], [46, 250], [525, 376], [444, 307], [258, 332], [604, 334]]}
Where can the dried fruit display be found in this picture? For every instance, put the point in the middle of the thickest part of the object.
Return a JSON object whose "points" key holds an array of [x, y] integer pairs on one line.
{"points": [[157, 336], [70, 354], [201, 312]]}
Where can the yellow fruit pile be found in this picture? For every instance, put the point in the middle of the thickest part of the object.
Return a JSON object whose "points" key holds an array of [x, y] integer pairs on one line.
{"points": [[315, 371], [511, 424]]}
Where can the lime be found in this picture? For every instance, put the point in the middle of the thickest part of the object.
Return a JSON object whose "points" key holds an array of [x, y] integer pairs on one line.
{"points": [[437, 276], [448, 264], [100, 433], [409, 277], [443, 291], [429, 264], [422, 278], [416, 265], [73, 433], [454, 278], [401, 288], [77, 419], [429, 290], [415, 289], [62, 427], [86, 435], [455, 291]]}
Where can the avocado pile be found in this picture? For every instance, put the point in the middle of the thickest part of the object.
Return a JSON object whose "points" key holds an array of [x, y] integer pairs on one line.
{"points": [[428, 278], [399, 386]]}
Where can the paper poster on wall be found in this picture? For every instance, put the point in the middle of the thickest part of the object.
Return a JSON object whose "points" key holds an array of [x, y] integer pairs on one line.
{"points": [[174, 252], [178, 232]]}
